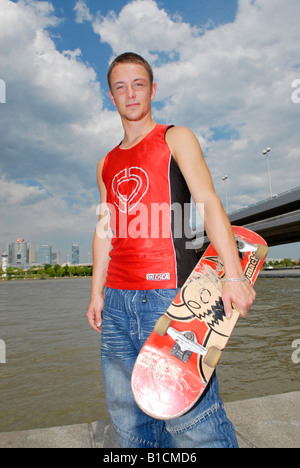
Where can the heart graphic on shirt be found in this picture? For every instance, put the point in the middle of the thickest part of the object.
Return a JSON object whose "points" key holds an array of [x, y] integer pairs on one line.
{"points": [[130, 186]]}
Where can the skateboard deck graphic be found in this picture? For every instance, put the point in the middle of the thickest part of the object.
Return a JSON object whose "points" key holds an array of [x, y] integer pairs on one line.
{"points": [[180, 356]]}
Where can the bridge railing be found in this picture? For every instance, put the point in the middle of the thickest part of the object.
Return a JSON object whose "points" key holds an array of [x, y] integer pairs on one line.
{"points": [[261, 202]]}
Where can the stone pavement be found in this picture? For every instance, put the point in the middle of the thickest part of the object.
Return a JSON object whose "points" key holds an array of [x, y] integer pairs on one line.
{"points": [[267, 422]]}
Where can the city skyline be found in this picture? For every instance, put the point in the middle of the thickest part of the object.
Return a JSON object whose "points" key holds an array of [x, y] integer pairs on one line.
{"points": [[227, 70], [22, 253], [68, 256]]}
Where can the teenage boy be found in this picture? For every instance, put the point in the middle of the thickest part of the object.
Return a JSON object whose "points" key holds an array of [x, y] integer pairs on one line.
{"points": [[142, 268]]}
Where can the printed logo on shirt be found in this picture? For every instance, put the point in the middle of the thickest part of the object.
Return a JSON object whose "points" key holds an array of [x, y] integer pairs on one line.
{"points": [[158, 277], [129, 186]]}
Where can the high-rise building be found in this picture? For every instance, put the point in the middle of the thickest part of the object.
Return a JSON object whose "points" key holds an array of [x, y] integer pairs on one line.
{"points": [[56, 258], [4, 261], [31, 253], [18, 253], [44, 255], [75, 254]]}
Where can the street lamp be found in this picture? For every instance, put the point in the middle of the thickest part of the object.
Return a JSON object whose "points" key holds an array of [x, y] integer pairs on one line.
{"points": [[224, 180], [266, 153]]}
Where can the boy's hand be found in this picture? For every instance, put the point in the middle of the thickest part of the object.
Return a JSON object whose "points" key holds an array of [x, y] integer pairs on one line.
{"points": [[94, 313], [238, 295]]}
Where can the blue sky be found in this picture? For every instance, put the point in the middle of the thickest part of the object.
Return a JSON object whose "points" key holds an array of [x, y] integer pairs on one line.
{"points": [[224, 69], [203, 13]]}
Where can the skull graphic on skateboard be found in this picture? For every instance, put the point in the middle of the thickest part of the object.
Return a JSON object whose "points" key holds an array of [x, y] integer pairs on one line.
{"points": [[177, 361]]}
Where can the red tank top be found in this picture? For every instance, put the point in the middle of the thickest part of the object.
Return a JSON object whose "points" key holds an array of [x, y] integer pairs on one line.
{"points": [[148, 197]]}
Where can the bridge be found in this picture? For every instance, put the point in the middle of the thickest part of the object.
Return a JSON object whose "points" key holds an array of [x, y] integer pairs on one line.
{"points": [[276, 219]]}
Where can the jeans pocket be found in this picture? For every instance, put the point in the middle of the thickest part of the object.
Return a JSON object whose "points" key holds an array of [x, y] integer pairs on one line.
{"points": [[166, 295]]}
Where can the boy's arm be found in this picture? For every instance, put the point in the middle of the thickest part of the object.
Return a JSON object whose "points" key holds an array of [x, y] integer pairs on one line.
{"points": [[101, 249], [187, 152]]}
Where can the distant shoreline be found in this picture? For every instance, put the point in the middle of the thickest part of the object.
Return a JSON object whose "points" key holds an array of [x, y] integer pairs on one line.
{"points": [[280, 273], [48, 278], [274, 273]]}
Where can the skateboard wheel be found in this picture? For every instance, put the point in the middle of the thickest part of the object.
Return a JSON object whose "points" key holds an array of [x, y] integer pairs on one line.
{"points": [[261, 252], [212, 357], [162, 325]]}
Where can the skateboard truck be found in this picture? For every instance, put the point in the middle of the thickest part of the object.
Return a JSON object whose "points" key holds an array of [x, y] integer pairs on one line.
{"points": [[259, 250], [244, 246], [185, 344]]}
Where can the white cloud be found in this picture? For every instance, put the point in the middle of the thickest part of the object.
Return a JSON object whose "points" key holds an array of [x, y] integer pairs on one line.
{"points": [[54, 127], [40, 217], [232, 85], [143, 26], [237, 76], [12, 194], [82, 12]]}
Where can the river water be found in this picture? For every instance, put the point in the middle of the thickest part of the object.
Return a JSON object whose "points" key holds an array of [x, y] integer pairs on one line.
{"points": [[52, 374]]}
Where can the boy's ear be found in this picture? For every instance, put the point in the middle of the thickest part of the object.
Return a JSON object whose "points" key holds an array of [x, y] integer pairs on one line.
{"points": [[111, 97], [153, 91]]}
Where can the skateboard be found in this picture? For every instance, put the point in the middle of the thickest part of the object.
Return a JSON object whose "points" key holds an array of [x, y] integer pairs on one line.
{"points": [[177, 361]]}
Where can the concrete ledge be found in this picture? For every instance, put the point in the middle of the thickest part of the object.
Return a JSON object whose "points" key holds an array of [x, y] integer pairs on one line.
{"points": [[76, 436], [268, 422]]}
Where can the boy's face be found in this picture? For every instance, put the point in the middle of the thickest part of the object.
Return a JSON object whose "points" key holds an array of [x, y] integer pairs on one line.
{"points": [[131, 91]]}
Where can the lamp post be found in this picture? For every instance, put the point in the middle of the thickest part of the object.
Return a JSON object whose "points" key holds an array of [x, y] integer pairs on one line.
{"points": [[266, 153], [225, 178]]}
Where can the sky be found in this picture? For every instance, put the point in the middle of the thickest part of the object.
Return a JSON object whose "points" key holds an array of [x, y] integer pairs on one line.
{"points": [[227, 69]]}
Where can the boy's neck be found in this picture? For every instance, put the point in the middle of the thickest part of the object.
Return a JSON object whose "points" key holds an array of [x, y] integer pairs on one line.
{"points": [[134, 131]]}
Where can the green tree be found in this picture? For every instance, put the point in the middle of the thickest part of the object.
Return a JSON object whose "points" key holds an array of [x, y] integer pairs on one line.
{"points": [[60, 272], [67, 270], [287, 262]]}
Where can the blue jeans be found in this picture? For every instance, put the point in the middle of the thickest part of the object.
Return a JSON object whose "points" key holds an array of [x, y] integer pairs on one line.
{"points": [[127, 323]]}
